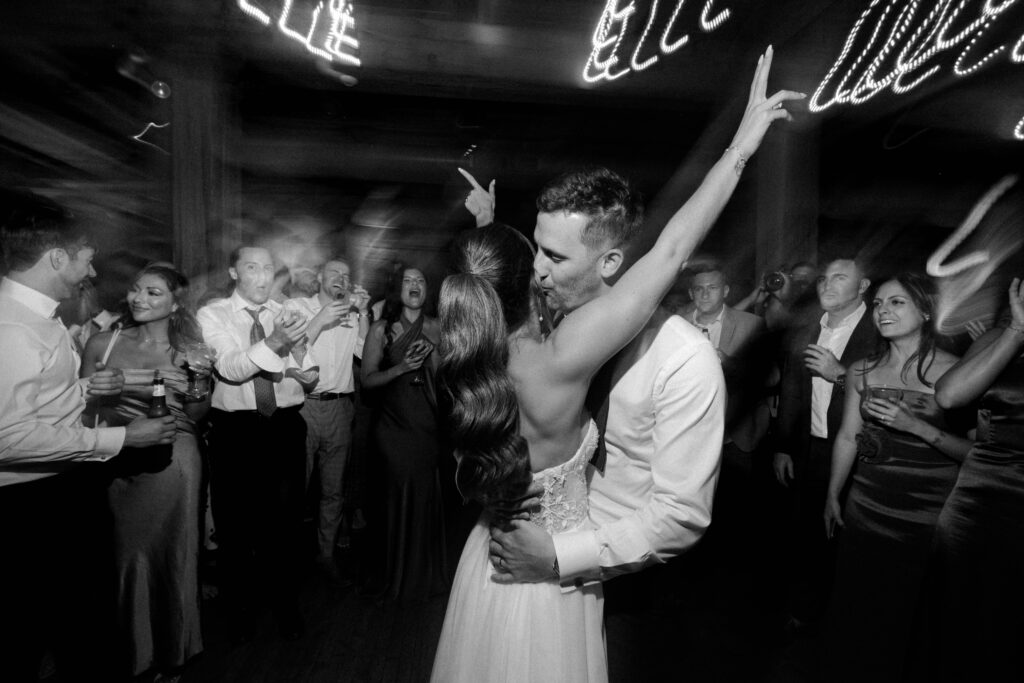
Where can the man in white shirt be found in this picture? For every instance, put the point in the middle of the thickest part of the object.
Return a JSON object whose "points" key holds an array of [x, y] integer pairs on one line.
{"points": [[662, 399], [338, 322], [49, 503], [810, 412], [257, 444]]}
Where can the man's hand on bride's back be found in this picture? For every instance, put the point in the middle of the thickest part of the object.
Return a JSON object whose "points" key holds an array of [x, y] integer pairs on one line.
{"points": [[522, 552], [504, 511]]}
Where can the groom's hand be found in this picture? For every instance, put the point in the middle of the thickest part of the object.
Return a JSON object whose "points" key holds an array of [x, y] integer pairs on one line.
{"points": [[522, 552], [503, 511]]}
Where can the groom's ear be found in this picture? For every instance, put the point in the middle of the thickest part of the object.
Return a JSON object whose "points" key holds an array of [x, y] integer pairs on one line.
{"points": [[610, 262]]}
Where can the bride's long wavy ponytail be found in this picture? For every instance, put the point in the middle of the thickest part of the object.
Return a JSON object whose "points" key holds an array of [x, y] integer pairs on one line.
{"points": [[486, 298]]}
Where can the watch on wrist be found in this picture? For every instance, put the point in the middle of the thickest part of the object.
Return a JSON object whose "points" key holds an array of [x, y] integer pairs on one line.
{"points": [[841, 382]]}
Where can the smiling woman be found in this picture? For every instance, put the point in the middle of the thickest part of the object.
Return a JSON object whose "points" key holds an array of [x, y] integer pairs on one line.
{"points": [[153, 498], [904, 454]]}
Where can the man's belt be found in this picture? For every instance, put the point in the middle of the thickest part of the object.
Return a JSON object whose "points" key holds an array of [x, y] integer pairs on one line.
{"points": [[327, 395]]}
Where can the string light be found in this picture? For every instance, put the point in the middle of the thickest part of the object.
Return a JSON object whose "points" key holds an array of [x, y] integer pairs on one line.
{"points": [[1017, 53], [1018, 130], [254, 12], [710, 25], [596, 68], [666, 47], [612, 26], [329, 35], [905, 39], [650, 60]]}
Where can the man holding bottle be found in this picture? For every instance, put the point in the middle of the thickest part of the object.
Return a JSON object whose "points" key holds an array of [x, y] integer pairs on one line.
{"points": [[50, 505]]}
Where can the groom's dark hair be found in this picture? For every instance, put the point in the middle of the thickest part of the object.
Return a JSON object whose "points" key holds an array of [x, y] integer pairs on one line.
{"points": [[613, 206]]}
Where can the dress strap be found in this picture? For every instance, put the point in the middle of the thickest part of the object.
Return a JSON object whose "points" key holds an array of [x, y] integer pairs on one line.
{"points": [[110, 345]]}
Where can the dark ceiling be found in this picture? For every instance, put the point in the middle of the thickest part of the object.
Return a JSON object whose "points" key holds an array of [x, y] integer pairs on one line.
{"points": [[498, 87]]}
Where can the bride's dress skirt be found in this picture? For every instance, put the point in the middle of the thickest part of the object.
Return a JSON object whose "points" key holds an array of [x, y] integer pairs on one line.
{"points": [[528, 632]]}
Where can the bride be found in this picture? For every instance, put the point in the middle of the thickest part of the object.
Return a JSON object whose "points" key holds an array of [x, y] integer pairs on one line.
{"points": [[517, 417]]}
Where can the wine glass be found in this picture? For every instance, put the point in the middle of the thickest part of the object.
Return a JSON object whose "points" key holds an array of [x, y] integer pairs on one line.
{"points": [[199, 356], [424, 350]]}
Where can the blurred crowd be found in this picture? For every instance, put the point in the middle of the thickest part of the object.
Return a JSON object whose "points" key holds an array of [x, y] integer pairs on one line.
{"points": [[872, 463]]}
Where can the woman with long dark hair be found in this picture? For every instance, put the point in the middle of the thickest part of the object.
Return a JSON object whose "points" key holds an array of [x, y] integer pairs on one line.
{"points": [[155, 493], [517, 393], [399, 364], [904, 455]]}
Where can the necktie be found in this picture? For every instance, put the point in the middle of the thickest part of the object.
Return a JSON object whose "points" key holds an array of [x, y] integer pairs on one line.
{"points": [[707, 333], [266, 402]]}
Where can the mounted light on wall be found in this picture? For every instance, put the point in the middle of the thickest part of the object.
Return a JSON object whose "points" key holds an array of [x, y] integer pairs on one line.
{"points": [[135, 67]]}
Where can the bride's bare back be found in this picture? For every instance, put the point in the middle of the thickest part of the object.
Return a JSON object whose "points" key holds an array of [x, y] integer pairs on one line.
{"points": [[552, 418]]}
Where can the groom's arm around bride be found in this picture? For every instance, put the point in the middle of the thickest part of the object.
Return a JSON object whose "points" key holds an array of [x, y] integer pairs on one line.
{"points": [[665, 415]]}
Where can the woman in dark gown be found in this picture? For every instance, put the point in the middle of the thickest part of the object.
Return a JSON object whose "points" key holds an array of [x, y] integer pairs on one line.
{"points": [[979, 606], [398, 362], [154, 495], [904, 459]]}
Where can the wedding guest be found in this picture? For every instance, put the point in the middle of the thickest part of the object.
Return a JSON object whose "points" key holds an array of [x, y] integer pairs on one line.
{"points": [[810, 410], [50, 503], [155, 494], [338, 323], [980, 536], [398, 360], [904, 453], [257, 444]]}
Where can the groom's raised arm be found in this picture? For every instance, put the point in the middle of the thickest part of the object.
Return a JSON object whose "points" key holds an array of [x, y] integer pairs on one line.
{"points": [[688, 397]]}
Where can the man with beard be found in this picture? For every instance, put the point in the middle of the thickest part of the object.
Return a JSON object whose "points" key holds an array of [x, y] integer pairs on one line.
{"points": [[338, 322]]}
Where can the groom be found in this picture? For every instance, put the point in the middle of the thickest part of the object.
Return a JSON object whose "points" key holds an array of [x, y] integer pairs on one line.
{"points": [[660, 404]]}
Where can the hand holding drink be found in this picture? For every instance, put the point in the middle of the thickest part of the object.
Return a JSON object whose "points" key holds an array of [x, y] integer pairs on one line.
{"points": [[199, 358]]}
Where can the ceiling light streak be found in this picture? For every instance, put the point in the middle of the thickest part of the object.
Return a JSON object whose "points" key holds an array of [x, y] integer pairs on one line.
{"points": [[892, 45], [329, 35], [612, 26]]}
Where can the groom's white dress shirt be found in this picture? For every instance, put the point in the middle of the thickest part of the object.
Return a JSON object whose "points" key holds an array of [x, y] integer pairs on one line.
{"points": [[664, 440]]}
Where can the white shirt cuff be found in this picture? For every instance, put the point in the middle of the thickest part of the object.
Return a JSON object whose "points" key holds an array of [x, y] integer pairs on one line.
{"points": [[109, 441], [264, 358], [578, 557]]}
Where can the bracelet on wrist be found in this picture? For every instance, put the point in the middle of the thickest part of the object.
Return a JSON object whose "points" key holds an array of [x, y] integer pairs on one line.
{"points": [[741, 159], [1019, 329]]}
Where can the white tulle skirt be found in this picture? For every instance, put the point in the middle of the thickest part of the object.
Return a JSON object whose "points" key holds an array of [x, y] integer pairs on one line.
{"points": [[526, 632]]}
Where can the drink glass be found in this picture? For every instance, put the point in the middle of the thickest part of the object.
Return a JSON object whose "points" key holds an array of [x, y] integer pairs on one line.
{"points": [[199, 356], [347, 296], [885, 392], [425, 350]]}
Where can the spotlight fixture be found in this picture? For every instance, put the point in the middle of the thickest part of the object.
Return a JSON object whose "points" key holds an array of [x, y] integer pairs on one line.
{"points": [[135, 67]]}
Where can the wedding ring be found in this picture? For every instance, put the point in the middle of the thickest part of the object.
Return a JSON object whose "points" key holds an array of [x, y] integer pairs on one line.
{"points": [[501, 563]]}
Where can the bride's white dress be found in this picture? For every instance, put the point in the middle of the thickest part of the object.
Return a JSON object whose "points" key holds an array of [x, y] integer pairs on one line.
{"points": [[529, 632]]}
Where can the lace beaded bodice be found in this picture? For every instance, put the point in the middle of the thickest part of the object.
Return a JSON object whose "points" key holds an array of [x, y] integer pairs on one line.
{"points": [[563, 505]]}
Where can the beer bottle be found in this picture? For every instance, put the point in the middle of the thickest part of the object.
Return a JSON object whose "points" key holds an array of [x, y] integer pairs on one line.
{"points": [[160, 454], [158, 404]]}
